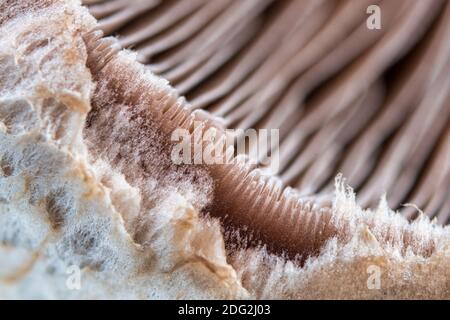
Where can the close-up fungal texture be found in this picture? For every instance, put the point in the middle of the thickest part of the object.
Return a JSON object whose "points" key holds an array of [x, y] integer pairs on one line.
{"points": [[224, 149]]}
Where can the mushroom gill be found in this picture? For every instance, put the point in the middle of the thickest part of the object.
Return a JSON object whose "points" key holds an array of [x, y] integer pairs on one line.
{"points": [[370, 104], [91, 95]]}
